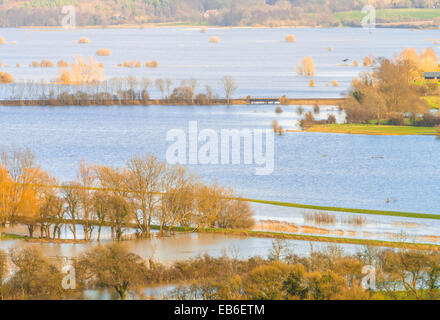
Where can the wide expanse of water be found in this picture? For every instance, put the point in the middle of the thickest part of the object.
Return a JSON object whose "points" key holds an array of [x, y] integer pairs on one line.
{"points": [[260, 59], [374, 172]]}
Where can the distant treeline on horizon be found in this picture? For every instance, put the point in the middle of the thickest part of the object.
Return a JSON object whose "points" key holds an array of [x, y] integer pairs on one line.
{"points": [[272, 13]]}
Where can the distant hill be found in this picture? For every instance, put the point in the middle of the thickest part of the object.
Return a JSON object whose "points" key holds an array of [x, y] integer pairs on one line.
{"points": [[273, 13]]}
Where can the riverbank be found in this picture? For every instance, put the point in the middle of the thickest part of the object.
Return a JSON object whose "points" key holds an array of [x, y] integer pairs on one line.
{"points": [[368, 129]]}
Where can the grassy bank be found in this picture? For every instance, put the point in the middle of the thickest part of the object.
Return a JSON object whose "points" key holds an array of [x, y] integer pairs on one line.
{"points": [[340, 240], [368, 129], [350, 210], [11, 236], [392, 15]]}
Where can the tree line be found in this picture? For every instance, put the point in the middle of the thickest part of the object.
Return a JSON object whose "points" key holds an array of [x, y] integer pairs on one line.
{"points": [[393, 92], [143, 193], [274, 13], [115, 91], [324, 274]]}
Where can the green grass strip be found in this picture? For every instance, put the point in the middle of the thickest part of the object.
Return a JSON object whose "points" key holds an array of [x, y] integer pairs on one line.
{"points": [[349, 210]]}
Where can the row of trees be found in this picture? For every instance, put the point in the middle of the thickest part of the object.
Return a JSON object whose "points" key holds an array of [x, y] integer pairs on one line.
{"points": [[143, 193], [391, 90], [214, 12], [80, 86], [325, 274]]}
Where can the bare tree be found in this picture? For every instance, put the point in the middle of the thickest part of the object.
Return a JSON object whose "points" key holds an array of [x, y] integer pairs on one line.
{"points": [[229, 86], [191, 84], [114, 267], [144, 178], [160, 85]]}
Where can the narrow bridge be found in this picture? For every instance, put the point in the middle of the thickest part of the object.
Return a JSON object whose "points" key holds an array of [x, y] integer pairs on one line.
{"points": [[254, 100]]}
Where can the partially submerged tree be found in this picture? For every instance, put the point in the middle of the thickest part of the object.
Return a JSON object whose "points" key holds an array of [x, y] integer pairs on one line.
{"points": [[229, 86], [113, 267]]}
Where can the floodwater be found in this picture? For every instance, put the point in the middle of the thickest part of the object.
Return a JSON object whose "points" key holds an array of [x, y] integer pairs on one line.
{"points": [[399, 173], [259, 59], [354, 171]]}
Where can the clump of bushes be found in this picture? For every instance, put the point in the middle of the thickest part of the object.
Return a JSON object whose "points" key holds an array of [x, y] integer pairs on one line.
{"points": [[355, 63], [103, 52], [152, 64], [330, 49], [6, 77], [46, 64], [331, 119], [290, 38], [138, 64], [82, 71], [316, 109], [35, 64], [2, 40], [368, 61], [83, 40], [306, 67], [335, 83], [311, 83], [279, 110], [277, 128], [214, 40], [62, 64]]}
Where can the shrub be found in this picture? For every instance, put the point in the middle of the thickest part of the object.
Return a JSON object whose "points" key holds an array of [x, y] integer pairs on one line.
{"points": [[396, 119], [138, 64], [62, 64], [6, 77], [331, 119], [203, 29], [290, 38], [316, 109], [35, 64], [2, 40], [428, 120], [311, 83], [129, 64], [214, 40], [306, 67], [18, 65], [367, 62], [103, 52], [330, 49], [335, 83], [355, 63], [154, 64], [82, 71], [46, 63], [278, 110], [83, 40], [202, 99]]}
